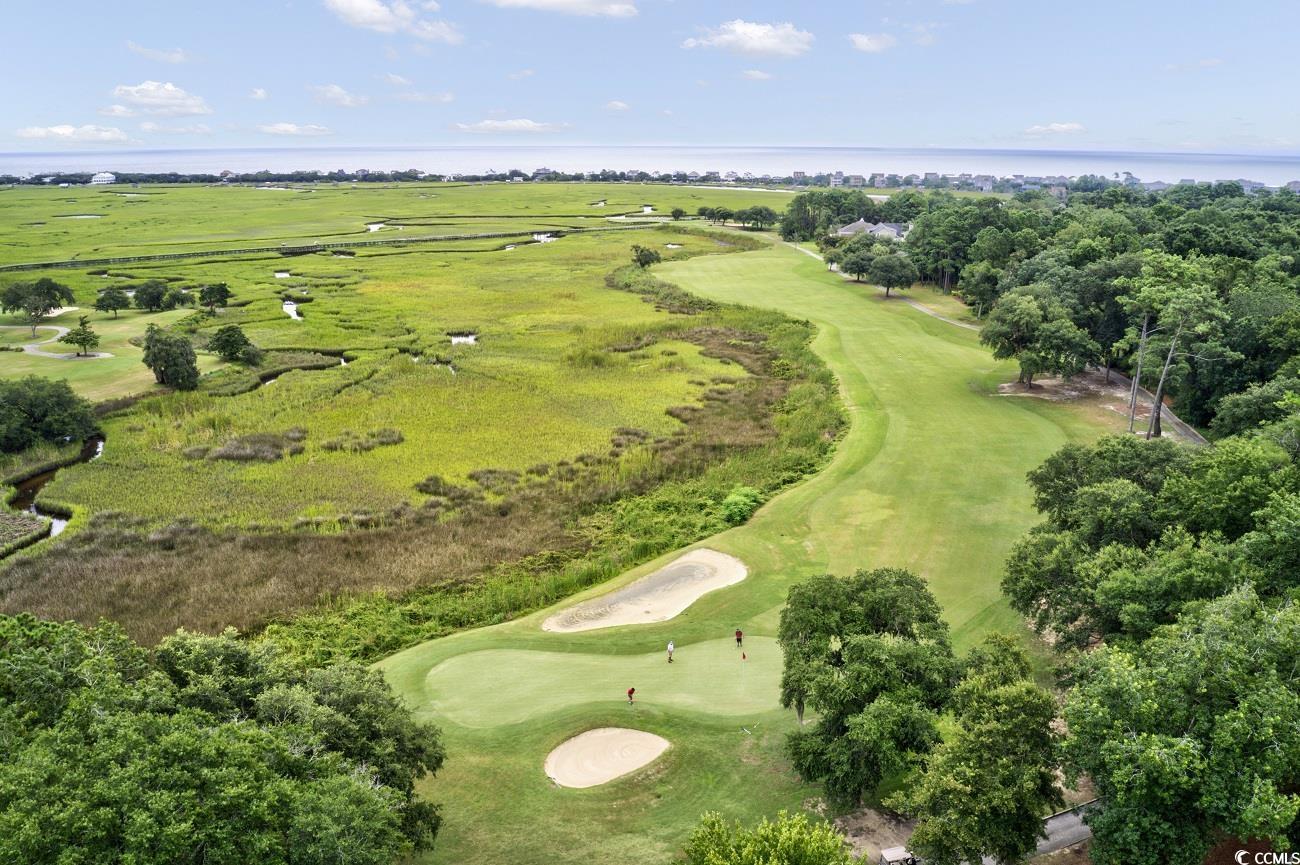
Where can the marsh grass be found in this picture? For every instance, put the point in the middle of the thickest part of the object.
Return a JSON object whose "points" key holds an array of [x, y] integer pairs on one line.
{"points": [[479, 554]]}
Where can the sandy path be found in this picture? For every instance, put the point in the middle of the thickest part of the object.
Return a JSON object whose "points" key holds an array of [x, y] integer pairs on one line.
{"points": [[35, 347], [655, 597], [601, 755]]}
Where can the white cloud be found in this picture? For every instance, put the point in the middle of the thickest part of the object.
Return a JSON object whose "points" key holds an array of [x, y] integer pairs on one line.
{"points": [[1204, 63], [175, 55], [416, 96], [521, 74], [872, 43], [1055, 129], [398, 80], [607, 8], [293, 129], [67, 132], [518, 125], [749, 37], [195, 129], [156, 97], [395, 16], [117, 111], [616, 105], [756, 75], [258, 93], [333, 94]]}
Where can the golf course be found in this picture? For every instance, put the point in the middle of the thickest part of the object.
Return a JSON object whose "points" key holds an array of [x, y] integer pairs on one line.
{"points": [[929, 476]]}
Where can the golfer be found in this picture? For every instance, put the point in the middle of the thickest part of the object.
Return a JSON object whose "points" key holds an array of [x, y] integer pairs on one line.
{"points": [[740, 638], [630, 692], [670, 651]]}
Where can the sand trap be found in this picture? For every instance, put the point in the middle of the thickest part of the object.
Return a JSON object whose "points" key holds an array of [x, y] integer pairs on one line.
{"points": [[601, 755], [655, 597]]}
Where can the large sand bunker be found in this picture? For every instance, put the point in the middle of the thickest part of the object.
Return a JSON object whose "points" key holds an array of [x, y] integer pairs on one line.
{"points": [[601, 755], [655, 597]]}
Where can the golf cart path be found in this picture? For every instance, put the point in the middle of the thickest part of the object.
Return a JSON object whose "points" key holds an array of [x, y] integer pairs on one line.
{"points": [[59, 332], [1184, 429]]}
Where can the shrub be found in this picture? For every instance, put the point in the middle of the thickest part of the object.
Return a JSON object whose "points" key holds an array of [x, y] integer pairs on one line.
{"points": [[740, 504]]}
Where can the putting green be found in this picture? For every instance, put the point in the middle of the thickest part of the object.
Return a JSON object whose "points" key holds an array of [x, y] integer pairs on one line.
{"points": [[708, 677], [930, 476]]}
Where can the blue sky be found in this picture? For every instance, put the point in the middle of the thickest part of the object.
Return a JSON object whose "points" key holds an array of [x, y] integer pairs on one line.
{"points": [[1200, 75]]}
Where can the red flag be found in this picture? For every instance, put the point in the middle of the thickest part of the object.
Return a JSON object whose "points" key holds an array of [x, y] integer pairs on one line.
{"points": [[743, 656]]}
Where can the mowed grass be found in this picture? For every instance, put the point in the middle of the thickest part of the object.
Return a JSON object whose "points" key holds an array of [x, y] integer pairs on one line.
{"points": [[96, 378], [930, 477]]}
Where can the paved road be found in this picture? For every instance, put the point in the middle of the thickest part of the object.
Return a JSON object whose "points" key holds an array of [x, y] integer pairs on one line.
{"points": [[35, 347]]}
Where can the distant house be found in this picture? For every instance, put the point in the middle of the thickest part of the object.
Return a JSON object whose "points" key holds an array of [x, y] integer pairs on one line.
{"points": [[103, 178], [837, 179], [800, 177], [856, 180], [881, 230]]}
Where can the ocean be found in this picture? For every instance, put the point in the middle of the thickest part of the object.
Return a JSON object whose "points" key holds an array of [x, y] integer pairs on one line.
{"points": [[1272, 169]]}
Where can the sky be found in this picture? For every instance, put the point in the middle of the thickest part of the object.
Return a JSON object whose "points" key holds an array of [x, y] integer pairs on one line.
{"points": [[1158, 75]]}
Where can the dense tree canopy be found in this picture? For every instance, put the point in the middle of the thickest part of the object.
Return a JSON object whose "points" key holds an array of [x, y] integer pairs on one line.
{"points": [[171, 357], [35, 409], [204, 749], [870, 654], [785, 841]]}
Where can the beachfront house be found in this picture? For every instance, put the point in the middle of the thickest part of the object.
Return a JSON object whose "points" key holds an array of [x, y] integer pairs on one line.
{"points": [[103, 178]]}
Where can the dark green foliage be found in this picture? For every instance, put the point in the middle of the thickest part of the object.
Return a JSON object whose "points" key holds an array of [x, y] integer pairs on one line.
{"points": [[206, 749], [82, 336], [986, 788], [643, 256], [112, 300], [892, 271], [1192, 736], [35, 409], [171, 357], [229, 342], [870, 654], [151, 295], [35, 300], [214, 295]]}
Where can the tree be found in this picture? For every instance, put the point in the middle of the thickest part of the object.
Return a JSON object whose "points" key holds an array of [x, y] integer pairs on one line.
{"points": [[856, 262], [677, 213], [722, 214], [1028, 325], [214, 295], [1178, 308], [870, 654], [986, 789], [785, 841], [206, 749], [171, 357], [1191, 737], [81, 336], [35, 409], [230, 343], [35, 300], [893, 271], [151, 295], [112, 300], [643, 256]]}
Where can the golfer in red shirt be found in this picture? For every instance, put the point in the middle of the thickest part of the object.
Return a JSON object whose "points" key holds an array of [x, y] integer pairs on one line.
{"points": [[630, 692], [740, 638]]}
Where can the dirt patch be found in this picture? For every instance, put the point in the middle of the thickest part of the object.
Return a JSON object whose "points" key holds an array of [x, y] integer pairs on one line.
{"points": [[655, 597], [601, 755], [869, 831], [1091, 391]]}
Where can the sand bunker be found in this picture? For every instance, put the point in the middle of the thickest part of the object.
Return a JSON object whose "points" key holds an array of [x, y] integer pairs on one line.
{"points": [[599, 756], [655, 597]]}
